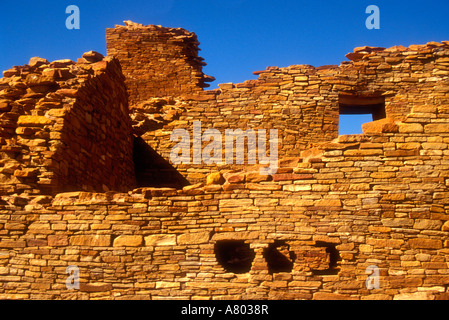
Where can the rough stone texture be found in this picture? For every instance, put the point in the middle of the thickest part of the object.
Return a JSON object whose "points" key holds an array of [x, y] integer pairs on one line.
{"points": [[301, 101], [336, 206], [62, 121], [167, 60]]}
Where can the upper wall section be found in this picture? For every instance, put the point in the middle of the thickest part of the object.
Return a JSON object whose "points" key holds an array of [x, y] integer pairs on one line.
{"points": [[304, 102], [65, 126], [157, 61], [301, 101], [406, 77]]}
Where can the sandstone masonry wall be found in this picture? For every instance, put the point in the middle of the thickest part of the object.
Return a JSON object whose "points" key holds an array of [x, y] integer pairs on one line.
{"points": [[376, 199], [362, 200], [304, 102], [65, 126], [157, 61], [337, 208]]}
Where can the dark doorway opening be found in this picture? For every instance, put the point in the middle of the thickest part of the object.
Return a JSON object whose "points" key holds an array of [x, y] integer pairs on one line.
{"points": [[234, 255]]}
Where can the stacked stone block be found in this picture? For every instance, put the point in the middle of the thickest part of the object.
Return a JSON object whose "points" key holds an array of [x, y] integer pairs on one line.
{"points": [[301, 101], [337, 208], [65, 126], [157, 61], [370, 197]]}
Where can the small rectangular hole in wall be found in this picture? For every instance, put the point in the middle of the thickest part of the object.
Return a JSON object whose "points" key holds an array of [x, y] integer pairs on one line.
{"points": [[234, 255], [333, 258], [355, 111], [279, 257]]}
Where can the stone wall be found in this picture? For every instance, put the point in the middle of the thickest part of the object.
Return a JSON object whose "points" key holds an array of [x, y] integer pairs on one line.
{"points": [[157, 61], [338, 208], [65, 127], [311, 231], [302, 102]]}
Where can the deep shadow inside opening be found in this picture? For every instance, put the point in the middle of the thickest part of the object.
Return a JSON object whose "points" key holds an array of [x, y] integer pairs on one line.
{"points": [[152, 170], [334, 257], [376, 110], [234, 255], [278, 257]]}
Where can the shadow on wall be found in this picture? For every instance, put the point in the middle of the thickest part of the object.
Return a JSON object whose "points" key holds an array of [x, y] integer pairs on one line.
{"points": [[334, 257], [279, 257], [234, 255], [152, 170]]}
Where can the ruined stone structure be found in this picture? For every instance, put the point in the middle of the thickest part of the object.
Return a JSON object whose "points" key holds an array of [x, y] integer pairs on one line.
{"points": [[86, 178], [59, 121]]}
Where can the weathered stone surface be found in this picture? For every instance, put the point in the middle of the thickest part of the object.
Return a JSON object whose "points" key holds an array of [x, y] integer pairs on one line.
{"points": [[34, 80], [410, 128], [72, 93], [291, 176], [160, 240], [330, 296], [394, 197], [335, 208], [235, 236], [423, 243], [297, 187], [37, 62], [61, 63], [380, 126], [128, 241], [225, 203], [5, 105], [58, 240], [33, 121], [92, 56], [437, 128], [95, 287], [42, 119], [90, 240], [254, 177], [235, 177], [215, 178], [193, 238], [445, 226], [328, 203], [172, 77], [383, 243], [412, 296]]}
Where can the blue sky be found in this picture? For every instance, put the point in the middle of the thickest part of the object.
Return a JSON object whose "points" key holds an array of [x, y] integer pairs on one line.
{"points": [[237, 36]]}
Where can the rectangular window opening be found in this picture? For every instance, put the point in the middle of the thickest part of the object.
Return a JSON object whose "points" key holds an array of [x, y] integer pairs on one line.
{"points": [[355, 111]]}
